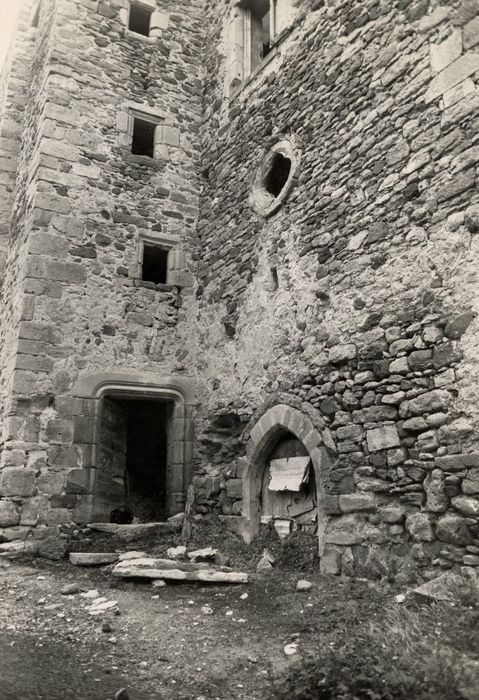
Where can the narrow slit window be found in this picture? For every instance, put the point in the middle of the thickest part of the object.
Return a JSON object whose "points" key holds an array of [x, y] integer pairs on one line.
{"points": [[36, 16], [155, 264], [265, 21], [139, 20], [143, 143]]}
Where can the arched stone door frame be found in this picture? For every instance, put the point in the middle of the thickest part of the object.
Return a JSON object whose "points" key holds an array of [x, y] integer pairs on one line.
{"points": [[275, 422], [92, 388]]}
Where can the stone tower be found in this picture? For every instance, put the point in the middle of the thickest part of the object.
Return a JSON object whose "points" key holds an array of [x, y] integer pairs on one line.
{"points": [[242, 255], [100, 195]]}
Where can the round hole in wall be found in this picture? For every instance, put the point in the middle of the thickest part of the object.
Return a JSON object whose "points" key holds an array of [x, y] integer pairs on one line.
{"points": [[275, 177], [278, 174]]}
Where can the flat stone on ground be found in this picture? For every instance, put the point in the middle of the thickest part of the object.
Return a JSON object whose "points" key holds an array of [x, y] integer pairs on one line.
{"points": [[92, 558], [176, 574], [445, 587], [126, 556]]}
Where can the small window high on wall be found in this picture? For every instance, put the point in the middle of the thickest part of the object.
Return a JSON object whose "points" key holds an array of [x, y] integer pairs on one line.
{"points": [[155, 263], [139, 19], [259, 31], [143, 141]]}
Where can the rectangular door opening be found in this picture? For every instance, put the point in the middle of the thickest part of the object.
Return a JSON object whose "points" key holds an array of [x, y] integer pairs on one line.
{"points": [[134, 445]]}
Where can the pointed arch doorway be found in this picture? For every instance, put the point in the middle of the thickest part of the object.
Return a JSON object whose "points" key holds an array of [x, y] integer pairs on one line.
{"points": [[282, 428]]}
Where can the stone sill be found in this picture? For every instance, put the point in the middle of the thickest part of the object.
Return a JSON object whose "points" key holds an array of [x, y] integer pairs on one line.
{"points": [[134, 159], [135, 35], [155, 287]]}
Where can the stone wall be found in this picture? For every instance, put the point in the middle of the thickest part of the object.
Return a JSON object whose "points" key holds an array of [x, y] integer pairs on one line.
{"points": [[356, 300], [83, 204], [345, 315]]}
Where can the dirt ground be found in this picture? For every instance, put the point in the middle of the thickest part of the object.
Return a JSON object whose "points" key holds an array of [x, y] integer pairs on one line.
{"points": [[161, 645], [183, 641]]}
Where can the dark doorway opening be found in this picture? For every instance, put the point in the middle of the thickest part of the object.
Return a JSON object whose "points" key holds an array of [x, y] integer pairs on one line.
{"points": [[146, 458], [134, 452]]}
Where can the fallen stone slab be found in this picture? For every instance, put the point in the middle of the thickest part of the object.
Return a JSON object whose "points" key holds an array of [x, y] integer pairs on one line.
{"points": [[206, 554], [203, 575], [92, 558], [448, 587], [12, 549], [139, 565], [174, 570], [136, 531], [127, 556]]}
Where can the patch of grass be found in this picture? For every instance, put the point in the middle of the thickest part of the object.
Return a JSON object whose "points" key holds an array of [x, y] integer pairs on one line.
{"points": [[414, 653], [299, 552], [465, 591]]}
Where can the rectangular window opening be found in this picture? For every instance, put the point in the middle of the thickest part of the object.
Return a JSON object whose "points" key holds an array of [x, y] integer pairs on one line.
{"points": [[155, 264], [262, 15], [139, 20], [143, 143]]}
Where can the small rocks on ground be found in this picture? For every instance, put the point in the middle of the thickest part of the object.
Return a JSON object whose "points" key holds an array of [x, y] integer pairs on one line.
{"points": [[158, 583], [266, 562], [205, 554], [70, 589], [92, 593], [291, 649], [101, 605], [176, 552], [303, 585]]}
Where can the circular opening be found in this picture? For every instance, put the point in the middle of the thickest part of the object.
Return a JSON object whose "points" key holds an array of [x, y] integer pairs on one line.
{"points": [[275, 177], [278, 174]]}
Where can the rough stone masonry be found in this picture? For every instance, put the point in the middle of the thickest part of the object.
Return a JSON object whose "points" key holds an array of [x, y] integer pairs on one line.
{"points": [[313, 180]]}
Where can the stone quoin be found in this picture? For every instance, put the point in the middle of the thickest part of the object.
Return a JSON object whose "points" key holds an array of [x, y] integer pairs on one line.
{"points": [[239, 237]]}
